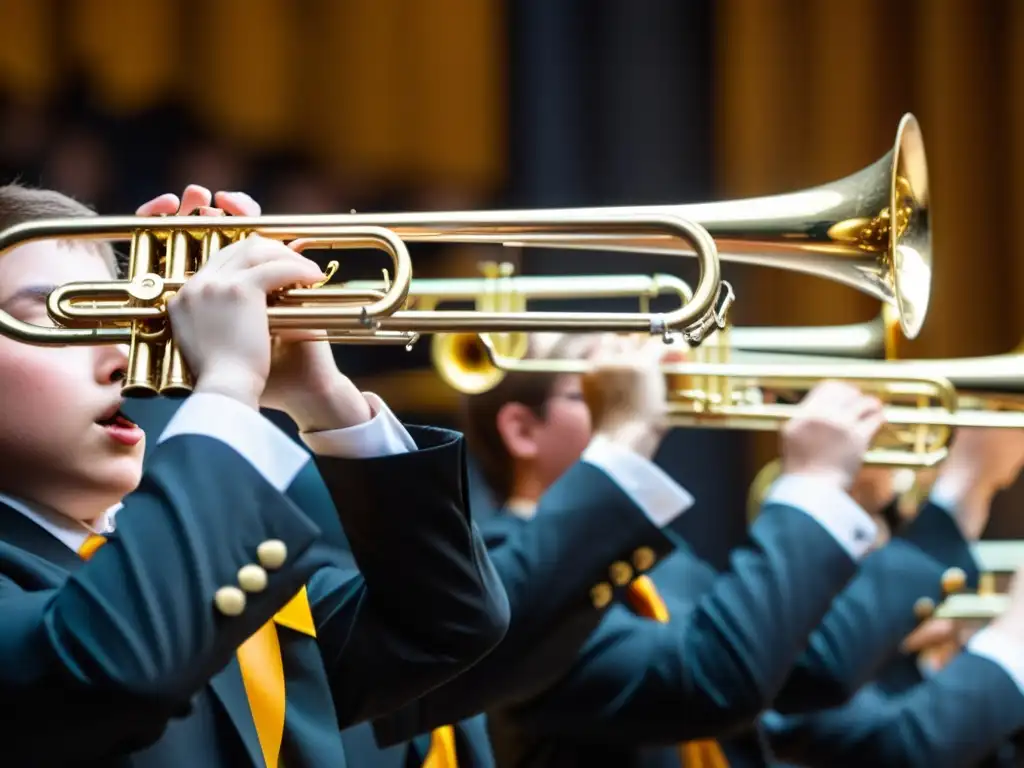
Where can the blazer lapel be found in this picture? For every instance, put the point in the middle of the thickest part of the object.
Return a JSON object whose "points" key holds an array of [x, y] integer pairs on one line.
{"points": [[19, 531]]}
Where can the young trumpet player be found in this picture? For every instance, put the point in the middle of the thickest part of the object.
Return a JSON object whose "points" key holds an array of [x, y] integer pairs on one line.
{"points": [[966, 711], [204, 624]]}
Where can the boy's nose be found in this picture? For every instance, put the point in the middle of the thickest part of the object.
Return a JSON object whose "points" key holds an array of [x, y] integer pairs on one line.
{"points": [[112, 363]]}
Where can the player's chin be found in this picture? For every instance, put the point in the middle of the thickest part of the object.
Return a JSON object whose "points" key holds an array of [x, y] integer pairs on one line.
{"points": [[119, 475]]}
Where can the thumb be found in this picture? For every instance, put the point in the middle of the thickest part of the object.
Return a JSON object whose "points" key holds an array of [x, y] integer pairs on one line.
{"points": [[928, 634]]}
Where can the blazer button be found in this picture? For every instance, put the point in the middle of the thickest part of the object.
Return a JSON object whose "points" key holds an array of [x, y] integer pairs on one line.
{"points": [[620, 573], [272, 554], [230, 601], [601, 594], [252, 578], [924, 608], [953, 580], [644, 558]]}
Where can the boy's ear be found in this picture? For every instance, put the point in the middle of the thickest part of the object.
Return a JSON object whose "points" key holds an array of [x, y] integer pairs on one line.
{"points": [[517, 425]]}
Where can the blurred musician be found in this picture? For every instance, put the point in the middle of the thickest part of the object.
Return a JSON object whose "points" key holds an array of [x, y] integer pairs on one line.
{"points": [[627, 695], [703, 657], [931, 704]]}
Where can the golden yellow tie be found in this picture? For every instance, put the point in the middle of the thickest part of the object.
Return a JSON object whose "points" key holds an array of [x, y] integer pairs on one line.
{"points": [[259, 658], [442, 749], [644, 598]]}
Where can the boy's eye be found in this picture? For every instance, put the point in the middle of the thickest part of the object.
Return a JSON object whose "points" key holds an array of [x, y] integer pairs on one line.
{"points": [[31, 312]]}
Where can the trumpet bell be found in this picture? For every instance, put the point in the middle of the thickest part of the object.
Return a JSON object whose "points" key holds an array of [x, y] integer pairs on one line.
{"points": [[462, 362], [870, 231]]}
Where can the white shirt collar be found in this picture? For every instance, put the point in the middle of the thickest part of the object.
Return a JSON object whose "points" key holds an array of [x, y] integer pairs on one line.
{"points": [[522, 508], [72, 533]]}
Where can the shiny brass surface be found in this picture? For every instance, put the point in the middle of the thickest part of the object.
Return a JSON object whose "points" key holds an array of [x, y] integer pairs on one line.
{"points": [[461, 359], [870, 231], [167, 250], [989, 388], [876, 339], [724, 389], [706, 310]]}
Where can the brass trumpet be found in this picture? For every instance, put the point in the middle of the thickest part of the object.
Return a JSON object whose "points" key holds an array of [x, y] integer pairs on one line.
{"points": [[725, 387], [870, 231], [165, 251], [461, 359], [737, 395]]}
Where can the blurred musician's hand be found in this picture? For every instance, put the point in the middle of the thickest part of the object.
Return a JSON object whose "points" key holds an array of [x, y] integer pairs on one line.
{"points": [[981, 463], [830, 433], [627, 392]]}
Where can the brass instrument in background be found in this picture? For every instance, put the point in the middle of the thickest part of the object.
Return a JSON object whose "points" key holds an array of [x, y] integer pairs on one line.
{"points": [[876, 339], [166, 251], [461, 359], [921, 397]]}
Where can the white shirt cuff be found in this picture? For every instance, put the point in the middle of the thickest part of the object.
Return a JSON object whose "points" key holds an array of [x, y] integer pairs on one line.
{"points": [[994, 645], [660, 497], [947, 492], [382, 435], [256, 439], [834, 510]]}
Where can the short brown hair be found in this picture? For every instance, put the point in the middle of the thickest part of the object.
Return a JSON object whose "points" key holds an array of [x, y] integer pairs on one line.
{"points": [[20, 204], [479, 413]]}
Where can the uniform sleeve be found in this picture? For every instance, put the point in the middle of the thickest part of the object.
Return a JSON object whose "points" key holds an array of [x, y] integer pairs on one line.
{"points": [[427, 603], [722, 661], [594, 531], [955, 718]]}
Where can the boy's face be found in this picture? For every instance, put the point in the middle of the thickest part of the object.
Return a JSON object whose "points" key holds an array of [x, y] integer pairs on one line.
{"points": [[564, 433], [545, 446], [58, 445]]}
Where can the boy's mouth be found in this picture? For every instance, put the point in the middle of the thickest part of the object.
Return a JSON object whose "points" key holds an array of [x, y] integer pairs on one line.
{"points": [[120, 428]]}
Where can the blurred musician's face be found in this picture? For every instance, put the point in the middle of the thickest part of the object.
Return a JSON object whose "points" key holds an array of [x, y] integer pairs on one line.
{"points": [[59, 445], [566, 430], [546, 442]]}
